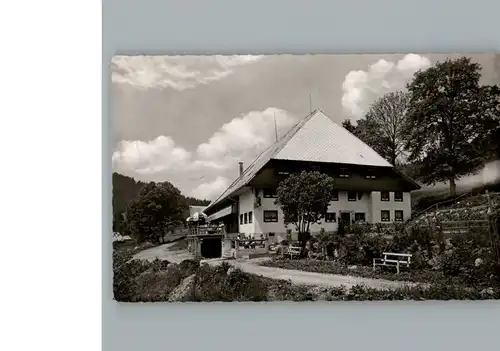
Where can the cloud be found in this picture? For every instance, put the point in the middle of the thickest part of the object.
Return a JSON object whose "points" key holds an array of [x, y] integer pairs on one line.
{"points": [[362, 88], [149, 157], [208, 170], [176, 72], [245, 136], [211, 190]]}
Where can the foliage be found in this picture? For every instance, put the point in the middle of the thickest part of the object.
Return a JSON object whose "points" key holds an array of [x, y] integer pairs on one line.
{"points": [[439, 291], [347, 124], [191, 201], [126, 275], [304, 198], [448, 112], [382, 127], [126, 190], [424, 276], [160, 206], [155, 281]]}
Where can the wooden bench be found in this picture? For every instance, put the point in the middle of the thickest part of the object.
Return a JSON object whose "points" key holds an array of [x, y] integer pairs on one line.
{"points": [[393, 259], [293, 251]]}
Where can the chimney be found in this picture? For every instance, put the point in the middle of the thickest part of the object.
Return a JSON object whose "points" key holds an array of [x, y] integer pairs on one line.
{"points": [[241, 168]]}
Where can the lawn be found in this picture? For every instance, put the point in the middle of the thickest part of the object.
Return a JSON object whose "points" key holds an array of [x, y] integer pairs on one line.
{"points": [[330, 267]]}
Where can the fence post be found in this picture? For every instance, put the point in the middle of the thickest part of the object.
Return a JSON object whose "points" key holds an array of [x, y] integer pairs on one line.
{"points": [[493, 229]]}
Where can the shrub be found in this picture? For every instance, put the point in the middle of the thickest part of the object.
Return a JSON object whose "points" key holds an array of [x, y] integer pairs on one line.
{"points": [[419, 292], [240, 286], [188, 267]]}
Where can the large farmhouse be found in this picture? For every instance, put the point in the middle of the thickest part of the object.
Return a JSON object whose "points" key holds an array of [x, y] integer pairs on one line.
{"points": [[370, 189]]}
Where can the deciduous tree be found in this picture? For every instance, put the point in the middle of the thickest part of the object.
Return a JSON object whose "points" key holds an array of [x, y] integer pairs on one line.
{"points": [[304, 198], [448, 113], [160, 206], [382, 126], [386, 120]]}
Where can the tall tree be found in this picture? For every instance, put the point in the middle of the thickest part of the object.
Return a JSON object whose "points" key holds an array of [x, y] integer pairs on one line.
{"points": [[160, 206], [304, 199], [366, 130], [347, 124], [127, 189], [382, 126], [491, 126], [448, 112], [386, 118]]}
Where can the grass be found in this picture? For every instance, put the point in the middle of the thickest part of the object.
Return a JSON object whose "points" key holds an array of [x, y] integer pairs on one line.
{"points": [[178, 245], [330, 267]]}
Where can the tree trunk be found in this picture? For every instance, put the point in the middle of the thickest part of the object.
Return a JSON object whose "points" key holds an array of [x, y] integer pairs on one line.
{"points": [[453, 187], [393, 156], [303, 238]]}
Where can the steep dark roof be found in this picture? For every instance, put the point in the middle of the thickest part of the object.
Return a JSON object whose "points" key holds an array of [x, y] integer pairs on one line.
{"points": [[316, 138]]}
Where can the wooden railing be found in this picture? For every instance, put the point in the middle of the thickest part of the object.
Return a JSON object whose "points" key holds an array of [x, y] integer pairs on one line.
{"points": [[438, 207]]}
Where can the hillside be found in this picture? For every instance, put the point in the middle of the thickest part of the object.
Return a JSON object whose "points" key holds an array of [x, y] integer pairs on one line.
{"points": [[424, 198], [126, 189]]}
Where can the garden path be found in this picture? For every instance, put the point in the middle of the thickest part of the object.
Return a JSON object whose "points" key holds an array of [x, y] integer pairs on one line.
{"points": [[310, 278], [252, 266]]}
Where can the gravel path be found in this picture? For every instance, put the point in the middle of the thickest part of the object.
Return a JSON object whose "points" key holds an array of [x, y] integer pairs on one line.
{"points": [[310, 278], [252, 266], [163, 252]]}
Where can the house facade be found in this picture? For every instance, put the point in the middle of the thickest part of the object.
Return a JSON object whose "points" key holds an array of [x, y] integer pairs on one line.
{"points": [[368, 188]]}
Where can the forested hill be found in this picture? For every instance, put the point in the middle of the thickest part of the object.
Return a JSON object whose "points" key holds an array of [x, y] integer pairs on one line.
{"points": [[126, 189], [192, 201]]}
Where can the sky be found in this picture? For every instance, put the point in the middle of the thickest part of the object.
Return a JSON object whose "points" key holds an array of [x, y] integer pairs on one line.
{"points": [[189, 120]]}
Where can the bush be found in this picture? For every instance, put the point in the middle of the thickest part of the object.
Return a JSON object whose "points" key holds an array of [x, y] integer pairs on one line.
{"points": [[240, 286], [188, 267], [434, 292]]}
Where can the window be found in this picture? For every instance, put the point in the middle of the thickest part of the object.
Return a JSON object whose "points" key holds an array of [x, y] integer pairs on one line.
{"points": [[385, 216], [359, 217], [398, 216], [344, 173], [398, 196], [269, 193], [330, 217], [250, 217], [384, 196], [241, 218], [351, 196], [360, 195], [335, 195], [270, 216], [246, 218]]}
